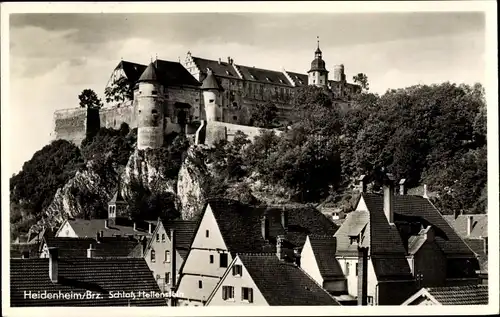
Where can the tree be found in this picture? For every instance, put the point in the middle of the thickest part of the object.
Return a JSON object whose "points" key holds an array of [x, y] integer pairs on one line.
{"points": [[120, 90], [88, 99], [362, 80], [264, 115]]}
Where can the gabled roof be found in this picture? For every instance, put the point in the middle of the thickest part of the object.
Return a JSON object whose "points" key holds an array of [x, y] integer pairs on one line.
{"points": [[479, 226], [89, 228], [210, 82], [174, 74], [324, 249], [283, 283], [107, 247], [240, 225], [408, 207], [184, 234], [454, 295], [132, 70], [298, 79], [80, 275], [221, 69], [149, 74]]}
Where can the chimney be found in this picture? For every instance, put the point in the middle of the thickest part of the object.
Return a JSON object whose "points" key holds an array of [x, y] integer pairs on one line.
{"points": [[220, 61], [106, 224], [173, 269], [362, 276], [284, 218], [135, 226], [402, 187], [280, 249], [389, 198], [90, 251], [362, 184], [265, 228], [229, 60], [470, 224], [425, 191], [25, 254], [53, 265], [98, 237], [150, 228]]}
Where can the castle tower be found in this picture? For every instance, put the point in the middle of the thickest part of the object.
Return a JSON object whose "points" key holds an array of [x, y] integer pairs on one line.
{"points": [[318, 75], [211, 92], [150, 128], [338, 73]]}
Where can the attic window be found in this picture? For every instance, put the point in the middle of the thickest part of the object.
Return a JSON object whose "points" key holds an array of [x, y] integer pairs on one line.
{"points": [[281, 81], [237, 270], [354, 239], [253, 77], [227, 72], [267, 78]]}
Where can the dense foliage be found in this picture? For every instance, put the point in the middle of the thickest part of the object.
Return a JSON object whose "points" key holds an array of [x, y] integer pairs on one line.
{"points": [[264, 115], [426, 134], [120, 90], [88, 99]]}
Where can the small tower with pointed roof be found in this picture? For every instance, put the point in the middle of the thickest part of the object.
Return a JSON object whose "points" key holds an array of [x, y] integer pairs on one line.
{"points": [[211, 91], [150, 127], [117, 206], [318, 75]]}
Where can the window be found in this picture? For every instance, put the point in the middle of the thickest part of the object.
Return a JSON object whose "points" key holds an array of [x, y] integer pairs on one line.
{"points": [[321, 81], [157, 277], [347, 268], [167, 278], [227, 292], [162, 237], [247, 294], [223, 260], [157, 237], [167, 256], [237, 270], [235, 118], [370, 300], [211, 101], [207, 233], [153, 256], [211, 258], [154, 92], [314, 81], [356, 269], [235, 104], [200, 284]]}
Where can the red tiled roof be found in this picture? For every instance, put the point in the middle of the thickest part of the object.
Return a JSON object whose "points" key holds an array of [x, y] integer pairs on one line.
{"points": [[240, 225], [283, 283], [324, 249], [460, 295], [107, 247], [100, 276], [479, 227]]}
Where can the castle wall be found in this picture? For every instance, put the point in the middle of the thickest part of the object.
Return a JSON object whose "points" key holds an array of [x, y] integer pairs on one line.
{"points": [[216, 130], [113, 117], [70, 125], [191, 96]]}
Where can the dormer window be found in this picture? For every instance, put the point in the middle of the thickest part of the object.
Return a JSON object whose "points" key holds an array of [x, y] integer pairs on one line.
{"points": [[154, 92], [267, 78], [354, 239], [228, 73]]}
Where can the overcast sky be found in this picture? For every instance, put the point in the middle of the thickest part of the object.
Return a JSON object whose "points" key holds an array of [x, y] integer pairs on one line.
{"points": [[53, 57]]}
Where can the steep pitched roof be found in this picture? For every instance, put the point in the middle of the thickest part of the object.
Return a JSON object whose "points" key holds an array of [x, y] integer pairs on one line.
{"points": [[263, 75], [240, 225], [454, 295], [149, 74], [89, 228], [106, 247], [132, 70], [298, 79], [210, 82], [478, 247], [479, 226], [174, 74], [416, 208], [184, 234], [80, 275], [221, 69], [324, 249], [283, 283]]}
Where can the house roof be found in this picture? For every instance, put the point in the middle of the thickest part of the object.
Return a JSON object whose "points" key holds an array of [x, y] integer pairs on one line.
{"points": [[89, 228], [283, 283], [219, 69], [298, 79], [106, 247], [417, 241], [477, 246], [210, 82], [132, 70], [81, 275], [184, 234], [263, 75], [240, 225], [174, 74], [324, 249], [17, 250], [454, 295], [149, 74], [479, 226]]}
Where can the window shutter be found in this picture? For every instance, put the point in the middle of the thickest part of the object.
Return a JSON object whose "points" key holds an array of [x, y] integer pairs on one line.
{"points": [[250, 295], [224, 292]]}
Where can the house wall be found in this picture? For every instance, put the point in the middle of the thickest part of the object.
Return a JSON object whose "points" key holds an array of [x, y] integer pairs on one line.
{"points": [[394, 292], [245, 280], [308, 262], [431, 262], [352, 278], [160, 267], [66, 231], [198, 266]]}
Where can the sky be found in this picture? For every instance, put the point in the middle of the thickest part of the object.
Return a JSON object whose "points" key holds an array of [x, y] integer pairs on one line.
{"points": [[53, 57]]}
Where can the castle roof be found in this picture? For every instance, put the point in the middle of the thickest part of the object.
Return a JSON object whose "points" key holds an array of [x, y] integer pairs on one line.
{"points": [[318, 64], [149, 74], [210, 82]]}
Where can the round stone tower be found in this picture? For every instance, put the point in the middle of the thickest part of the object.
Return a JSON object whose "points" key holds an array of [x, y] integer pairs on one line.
{"points": [[318, 75], [211, 91], [338, 73], [150, 127]]}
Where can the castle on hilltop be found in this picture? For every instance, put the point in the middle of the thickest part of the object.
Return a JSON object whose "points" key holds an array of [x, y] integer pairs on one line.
{"points": [[212, 96]]}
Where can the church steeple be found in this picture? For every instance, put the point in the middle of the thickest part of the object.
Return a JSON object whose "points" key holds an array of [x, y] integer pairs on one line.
{"points": [[318, 53], [318, 75]]}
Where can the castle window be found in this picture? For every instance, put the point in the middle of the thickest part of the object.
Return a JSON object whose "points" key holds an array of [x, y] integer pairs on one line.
{"points": [[314, 81], [235, 104], [154, 92], [211, 101], [235, 118]]}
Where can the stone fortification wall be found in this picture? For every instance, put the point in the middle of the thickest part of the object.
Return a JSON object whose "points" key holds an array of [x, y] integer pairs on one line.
{"points": [[114, 116], [70, 124], [216, 130]]}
